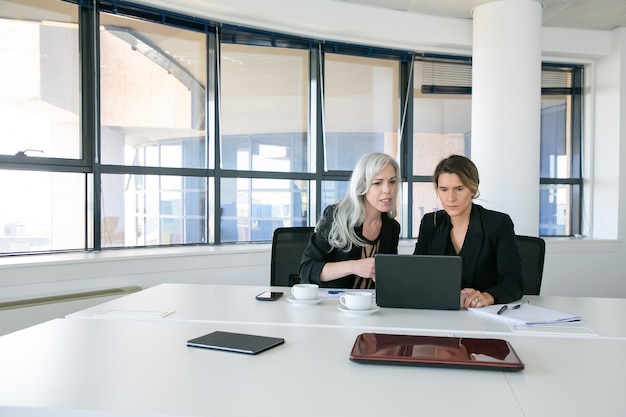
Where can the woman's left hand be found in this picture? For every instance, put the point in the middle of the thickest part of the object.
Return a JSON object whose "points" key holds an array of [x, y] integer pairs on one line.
{"points": [[474, 298]]}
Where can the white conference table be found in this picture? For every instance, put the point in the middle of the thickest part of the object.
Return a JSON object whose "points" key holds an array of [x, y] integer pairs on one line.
{"points": [[236, 303], [132, 367], [115, 368], [570, 376]]}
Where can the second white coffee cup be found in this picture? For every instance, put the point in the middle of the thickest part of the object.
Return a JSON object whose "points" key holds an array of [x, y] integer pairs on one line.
{"points": [[356, 300], [305, 291]]}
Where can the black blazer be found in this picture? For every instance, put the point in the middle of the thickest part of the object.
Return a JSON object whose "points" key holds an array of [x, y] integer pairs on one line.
{"points": [[491, 260], [318, 252]]}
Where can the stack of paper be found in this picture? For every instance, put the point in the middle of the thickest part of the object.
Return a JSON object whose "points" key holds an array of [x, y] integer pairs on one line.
{"points": [[527, 314]]}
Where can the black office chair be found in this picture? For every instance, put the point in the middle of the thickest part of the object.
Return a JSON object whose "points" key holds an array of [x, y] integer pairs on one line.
{"points": [[288, 243], [532, 250]]}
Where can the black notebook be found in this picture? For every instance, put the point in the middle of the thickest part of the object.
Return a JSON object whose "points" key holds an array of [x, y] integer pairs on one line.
{"points": [[236, 342]]}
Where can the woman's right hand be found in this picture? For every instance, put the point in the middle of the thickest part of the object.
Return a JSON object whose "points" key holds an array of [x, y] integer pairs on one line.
{"points": [[365, 268], [361, 267]]}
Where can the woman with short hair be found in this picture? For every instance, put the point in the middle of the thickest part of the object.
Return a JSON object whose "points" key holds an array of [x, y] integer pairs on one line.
{"points": [[485, 239]]}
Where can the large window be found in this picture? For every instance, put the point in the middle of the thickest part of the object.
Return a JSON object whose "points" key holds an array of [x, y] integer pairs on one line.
{"points": [[40, 83], [442, 125], [264, 118], [152, 115], [442, 113], [361, 109], [130, 127], [361, 114], [43, 182], [561, 173], [152, 94]]}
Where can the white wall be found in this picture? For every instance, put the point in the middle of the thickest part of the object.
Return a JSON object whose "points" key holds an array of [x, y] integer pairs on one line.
{"points": [[50, 275], [579, 267]]}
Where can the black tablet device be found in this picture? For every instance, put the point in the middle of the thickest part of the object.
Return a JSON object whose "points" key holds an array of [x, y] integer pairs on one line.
{"points": [[441, 351], [235, 342]]}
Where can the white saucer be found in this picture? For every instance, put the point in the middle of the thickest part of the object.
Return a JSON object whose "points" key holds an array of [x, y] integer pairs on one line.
{"points": [[359, 312], [304, 302]]}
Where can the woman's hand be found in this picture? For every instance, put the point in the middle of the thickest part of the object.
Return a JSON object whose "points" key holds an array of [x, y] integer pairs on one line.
{"points": [[474, 298], [364, 268], [361, 267]]}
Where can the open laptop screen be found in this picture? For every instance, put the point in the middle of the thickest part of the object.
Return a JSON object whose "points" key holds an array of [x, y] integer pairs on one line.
{"points": [[418, 281]]}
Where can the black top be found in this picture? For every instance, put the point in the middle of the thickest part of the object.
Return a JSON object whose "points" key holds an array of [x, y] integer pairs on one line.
{"points": [[491, 260], [319, 252]]}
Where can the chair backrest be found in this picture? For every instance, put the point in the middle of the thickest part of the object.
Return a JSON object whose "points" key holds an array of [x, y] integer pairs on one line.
{"points": [[532, 250], [288, 243]]}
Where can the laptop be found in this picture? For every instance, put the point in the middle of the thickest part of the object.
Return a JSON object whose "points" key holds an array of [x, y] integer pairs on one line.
{"points": [[418, 281]]}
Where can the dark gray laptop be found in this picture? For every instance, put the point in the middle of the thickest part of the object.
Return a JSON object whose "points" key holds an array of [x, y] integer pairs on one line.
{"points": [[418, 281]]}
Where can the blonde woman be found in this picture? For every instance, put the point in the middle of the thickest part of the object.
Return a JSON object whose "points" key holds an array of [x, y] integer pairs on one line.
{"points": [[341, 252]]}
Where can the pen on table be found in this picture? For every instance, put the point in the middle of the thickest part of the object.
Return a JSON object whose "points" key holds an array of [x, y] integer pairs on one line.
{"points": [[335, 291], [503, 308], [516, 306]]}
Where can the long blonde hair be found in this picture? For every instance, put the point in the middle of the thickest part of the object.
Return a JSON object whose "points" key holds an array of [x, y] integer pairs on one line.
{"points": [[350, 211]]}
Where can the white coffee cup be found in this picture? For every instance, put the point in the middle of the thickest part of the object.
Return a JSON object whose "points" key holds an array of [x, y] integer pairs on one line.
{"points": [[305, 291], [356, 300]]}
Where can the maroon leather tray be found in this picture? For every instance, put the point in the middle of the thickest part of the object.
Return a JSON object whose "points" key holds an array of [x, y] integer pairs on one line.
{"points": [[439, 351]]}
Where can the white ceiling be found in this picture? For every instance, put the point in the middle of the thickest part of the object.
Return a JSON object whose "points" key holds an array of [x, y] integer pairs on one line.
{"points": [[581, 14]]}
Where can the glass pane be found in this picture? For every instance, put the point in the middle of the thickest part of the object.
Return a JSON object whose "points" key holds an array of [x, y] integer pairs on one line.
{"points": [[333, 192], [253, 208], [153, 94], [555, 210], [42, 211], [264, 108], [555, 137], [425, 200], [144, 210], [39, 79], [361, 110], [441, 127]]}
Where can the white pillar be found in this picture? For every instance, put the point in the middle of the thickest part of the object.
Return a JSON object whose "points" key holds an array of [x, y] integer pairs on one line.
{"points": [[506, 108]]}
